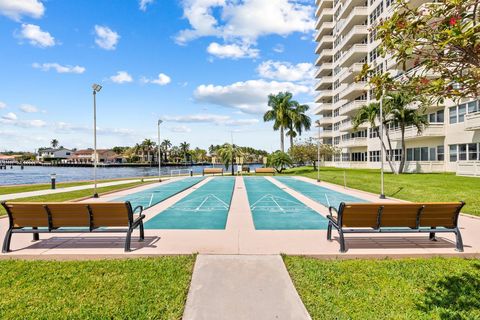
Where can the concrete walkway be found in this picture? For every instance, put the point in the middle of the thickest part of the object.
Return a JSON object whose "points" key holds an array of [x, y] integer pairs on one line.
{"points": [[242, 287], [27, 194]]}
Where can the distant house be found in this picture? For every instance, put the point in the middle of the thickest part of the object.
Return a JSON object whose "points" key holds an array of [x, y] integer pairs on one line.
{"points": [[53, 154], [103, 156], [5, 158]]}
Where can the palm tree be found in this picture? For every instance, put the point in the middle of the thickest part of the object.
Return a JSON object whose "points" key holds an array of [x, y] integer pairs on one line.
{"points": [[148, 145], [280, 113], [165, 145], [227, 153], [185, 147], [299, 120], [405, 116], [370, 114], [54, 143], [279, 160]]}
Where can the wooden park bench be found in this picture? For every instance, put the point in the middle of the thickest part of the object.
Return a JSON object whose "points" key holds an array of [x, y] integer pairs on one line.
{"points": [[265, 170], [395, 218], [72, 217], [213, 171]]}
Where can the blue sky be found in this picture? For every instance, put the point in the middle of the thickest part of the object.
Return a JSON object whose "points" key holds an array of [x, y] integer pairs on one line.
{"points": [[204, 66]]}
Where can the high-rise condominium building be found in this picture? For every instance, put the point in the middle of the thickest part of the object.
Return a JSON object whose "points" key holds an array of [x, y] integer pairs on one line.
{"points": [[346, 40]]}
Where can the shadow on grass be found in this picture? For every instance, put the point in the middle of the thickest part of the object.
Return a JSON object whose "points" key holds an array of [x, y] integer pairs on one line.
{"points": [[454, 297]]}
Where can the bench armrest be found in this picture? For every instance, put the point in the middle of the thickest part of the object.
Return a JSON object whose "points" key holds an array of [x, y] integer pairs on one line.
{"points": [[333, 215], [138, 207]]}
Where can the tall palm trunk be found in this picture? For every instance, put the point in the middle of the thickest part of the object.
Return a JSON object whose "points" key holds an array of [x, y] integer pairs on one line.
{"points": [[291, 141], [282, 140], [385, 149], [404, 150], [390, 148]]}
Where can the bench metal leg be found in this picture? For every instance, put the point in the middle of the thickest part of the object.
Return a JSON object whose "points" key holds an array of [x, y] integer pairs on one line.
{"points": [[6, 242], [342, 241], [329, 231], [459, 247], [432, 235], [142, 232], [128, 240], [36, 236]]}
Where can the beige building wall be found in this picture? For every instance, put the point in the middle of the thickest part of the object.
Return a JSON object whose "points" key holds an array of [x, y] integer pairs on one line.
{"points": [[345, 41]]}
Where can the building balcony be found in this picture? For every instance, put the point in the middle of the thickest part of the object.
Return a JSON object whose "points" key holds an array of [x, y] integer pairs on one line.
{"points": [[356, 35], [353, 90], [325, 15], [411, 133], [324, 69], [324, 83], [324, 95], [354, 142], [356, 17], [324, 56], [326, 42], [322, 4], [472, 121], [347, 126], [326, 133], [349, 6], [326, 121], [323, 108], [351, 108], [349, 74], [325, 29], [355, 54]]}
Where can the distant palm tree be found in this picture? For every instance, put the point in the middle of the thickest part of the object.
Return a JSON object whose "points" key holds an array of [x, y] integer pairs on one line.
{"points": [[54, 143], [279, 113], [299, 121], [165, 146], [148, 145], [403, 114], [227, 153], [185, 147]]}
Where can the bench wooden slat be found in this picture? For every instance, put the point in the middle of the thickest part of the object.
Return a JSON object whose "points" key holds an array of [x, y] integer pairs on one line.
{"points": [[265, 170]]}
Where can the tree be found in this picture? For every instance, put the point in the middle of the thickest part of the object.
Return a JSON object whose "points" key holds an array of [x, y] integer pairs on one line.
{"points": [[148, 146], [198, 155], [54, 143], [165, 146], [403, 114], [439, 43], [279, 113], [370, 114], [227, 153], [185, 147], [279, 160], [299, 121]]}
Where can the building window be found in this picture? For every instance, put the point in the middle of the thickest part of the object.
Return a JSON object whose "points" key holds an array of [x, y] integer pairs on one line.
{"points": [[345, 157], [462, 110], [336, 112], [336, 140], [374, 54], [359, 156], [453, 153], [375, 156], [473, 107], [453, 114], [436, 117], [472, 151], [337, 158], [457, 113], [397, 154], [336, 126], [440, 153], [376, 13]]}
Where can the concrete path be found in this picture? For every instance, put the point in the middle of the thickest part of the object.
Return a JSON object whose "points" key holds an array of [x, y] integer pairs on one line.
{"points": [[230, 287], [19, 195]]}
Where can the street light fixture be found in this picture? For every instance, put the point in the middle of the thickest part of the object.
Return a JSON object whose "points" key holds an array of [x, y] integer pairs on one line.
{"points": [[96, 88], [382, 182], [159, 153]]}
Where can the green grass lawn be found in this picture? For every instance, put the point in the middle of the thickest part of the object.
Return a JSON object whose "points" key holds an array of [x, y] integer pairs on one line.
{"points": [[67, 196], [435, 288], [411, 186], [153, 288]]}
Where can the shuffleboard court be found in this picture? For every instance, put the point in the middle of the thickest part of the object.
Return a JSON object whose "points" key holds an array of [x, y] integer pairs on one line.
{"points": [[322, 195], [205, 208], [274, 209], [150, 197]]}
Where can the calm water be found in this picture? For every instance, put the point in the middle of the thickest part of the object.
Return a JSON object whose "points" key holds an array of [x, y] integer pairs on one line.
{"points": [[30, 175]]}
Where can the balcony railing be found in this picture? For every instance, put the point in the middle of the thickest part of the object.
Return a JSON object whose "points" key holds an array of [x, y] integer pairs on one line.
{"points": [[354, 142], [432, 130], [472, 121], [352, 107]]}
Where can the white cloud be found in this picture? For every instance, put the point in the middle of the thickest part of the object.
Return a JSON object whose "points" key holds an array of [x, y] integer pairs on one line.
{"points": [[144, 3], [3, 105], [106, 38], [286, 71], [121, 77], [246, 20], [15, 9], [36, 36], [33, 123], [161, 80], [28, 108], [233, 51], [59, 68], [279, 48], [10, 116], [249, 96], [180, 129], [210, 118]]}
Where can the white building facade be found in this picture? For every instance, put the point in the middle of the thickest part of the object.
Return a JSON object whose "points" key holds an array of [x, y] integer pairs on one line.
{"points": [[345, 42]]}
